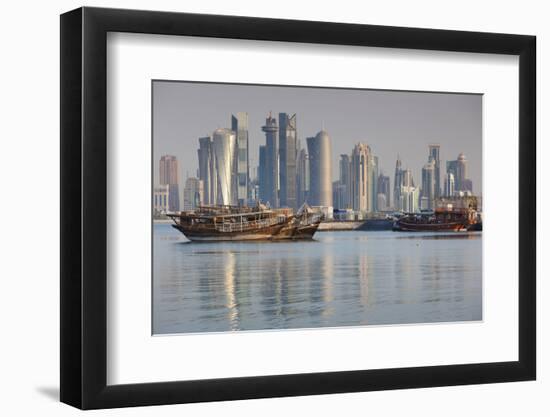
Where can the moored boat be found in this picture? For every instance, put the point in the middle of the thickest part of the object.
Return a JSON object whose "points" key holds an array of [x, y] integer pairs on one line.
{"points": [[232, 223], [450, 215]]}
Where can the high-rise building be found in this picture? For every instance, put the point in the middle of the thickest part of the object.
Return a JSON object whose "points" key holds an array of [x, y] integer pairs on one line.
{"points": [[262, 190], [434, 156], [383, 189], [372, 183], [161, 199], [408, 195], [467, 186], [449, 185], [360, 177], [428, 183], [339, 195], [192, 193], [287, 160], [239, 124], [207, 171], [169, 175], [224, 144], [302, 178], [407, 178], [271, 180], [397, 182], [320, 170], [344, 166], [381, 203], [459, 169]]}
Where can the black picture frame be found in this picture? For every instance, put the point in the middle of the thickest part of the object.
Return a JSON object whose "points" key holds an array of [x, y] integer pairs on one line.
{"points": [[84, 207]]}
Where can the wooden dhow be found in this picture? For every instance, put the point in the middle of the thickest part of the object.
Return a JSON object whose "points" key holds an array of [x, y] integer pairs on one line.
{"points": [[232, 223]]}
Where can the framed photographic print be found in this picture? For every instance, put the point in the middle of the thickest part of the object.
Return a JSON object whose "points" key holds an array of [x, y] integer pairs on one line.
{"points": [[256, 208]]}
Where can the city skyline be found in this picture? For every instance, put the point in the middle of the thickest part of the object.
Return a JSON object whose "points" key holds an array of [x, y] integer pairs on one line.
{"points": [[169, 103]]}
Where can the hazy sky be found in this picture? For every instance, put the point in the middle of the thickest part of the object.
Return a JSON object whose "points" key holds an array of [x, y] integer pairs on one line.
{"points": [[391, 122]]}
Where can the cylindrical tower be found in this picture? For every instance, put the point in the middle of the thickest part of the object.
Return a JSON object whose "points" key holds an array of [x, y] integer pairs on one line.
{"points": [[461, 172], [320, 157]]}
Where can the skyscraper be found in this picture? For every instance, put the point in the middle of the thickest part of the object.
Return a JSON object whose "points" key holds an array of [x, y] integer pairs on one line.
{"points": [[344, 166], [287, 160], [262, 190], [271, 181], [224, 145], [449, 184], [372, 182], [434, 156], [207, 172], [302, 178], [459, 169], [192, 193], [408, 199], [360, 177], [428, 183], [239, 125], [320, 170], [383, 189], [397, 182], [169, 175]]}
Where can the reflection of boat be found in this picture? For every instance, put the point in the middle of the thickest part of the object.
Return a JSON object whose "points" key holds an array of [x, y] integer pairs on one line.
{"points": [[226, 223]]}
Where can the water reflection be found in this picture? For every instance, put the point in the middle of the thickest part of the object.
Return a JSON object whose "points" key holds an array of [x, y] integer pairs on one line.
{"points": [[343, 279]]}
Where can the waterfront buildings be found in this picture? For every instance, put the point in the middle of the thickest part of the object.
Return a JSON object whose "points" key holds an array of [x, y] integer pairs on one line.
{"points": [[287, 160], [193, 193], [239, 125], [271, 162], [288, 176], [169, 175], [320, 170]]}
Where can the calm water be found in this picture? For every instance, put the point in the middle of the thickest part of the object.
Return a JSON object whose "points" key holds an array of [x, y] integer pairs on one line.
{"points": [[340, 279]]}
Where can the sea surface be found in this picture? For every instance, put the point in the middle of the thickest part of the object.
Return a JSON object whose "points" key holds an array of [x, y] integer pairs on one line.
{"points": [[339, 279]]}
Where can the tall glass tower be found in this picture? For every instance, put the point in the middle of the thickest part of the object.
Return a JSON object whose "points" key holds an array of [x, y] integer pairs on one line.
{"points": [[287, 160], [225, 158], [434, 156], [239, 125], [271, 181]]}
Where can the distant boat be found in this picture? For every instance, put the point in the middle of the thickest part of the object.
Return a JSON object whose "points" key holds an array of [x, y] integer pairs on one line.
{"points": [[441, 220], [232, 223]]}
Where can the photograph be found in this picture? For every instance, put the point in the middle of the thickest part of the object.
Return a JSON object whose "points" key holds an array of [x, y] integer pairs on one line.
{"points": [[301, 207]]}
